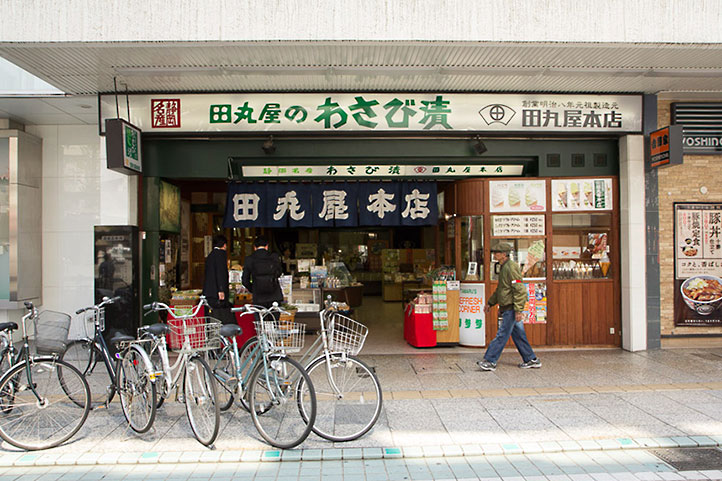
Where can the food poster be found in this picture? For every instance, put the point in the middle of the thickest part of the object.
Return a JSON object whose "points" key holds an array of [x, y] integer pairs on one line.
{"points": [[472, 324], [439, 310], [534, 254], [698, 264], [518, 196], [581, 194], [535, 309]]}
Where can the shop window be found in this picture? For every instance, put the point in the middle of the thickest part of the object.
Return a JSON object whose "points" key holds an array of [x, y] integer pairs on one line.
{"points": [[529, 253], [472, 248], [581, 247]]}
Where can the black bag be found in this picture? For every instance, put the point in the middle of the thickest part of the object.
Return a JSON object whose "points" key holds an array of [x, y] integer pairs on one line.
{"points": [[265, 277]]}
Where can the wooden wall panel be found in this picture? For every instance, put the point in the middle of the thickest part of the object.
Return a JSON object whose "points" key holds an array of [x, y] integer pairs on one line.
{"points": [[470, 197]]}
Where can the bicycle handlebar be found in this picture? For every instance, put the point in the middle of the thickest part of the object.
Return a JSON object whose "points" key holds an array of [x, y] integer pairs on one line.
{"points": [[159, 306], [255, 308], [105, 301]]}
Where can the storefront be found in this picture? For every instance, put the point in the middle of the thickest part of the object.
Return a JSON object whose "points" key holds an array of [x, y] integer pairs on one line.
{"points": [[538, 171]]}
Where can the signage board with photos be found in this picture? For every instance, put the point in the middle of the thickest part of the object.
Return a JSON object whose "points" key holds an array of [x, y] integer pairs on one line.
{"points": [[517, 196], [517, 225], [581, 194], [535, 308], [698, 264]]}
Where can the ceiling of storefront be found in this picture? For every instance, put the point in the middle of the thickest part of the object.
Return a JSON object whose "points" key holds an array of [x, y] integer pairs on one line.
{"points": [[88, 68]]}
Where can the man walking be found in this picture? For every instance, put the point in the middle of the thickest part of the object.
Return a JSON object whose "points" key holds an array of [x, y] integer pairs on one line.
{"points": [[261, 271], [511, 296]]}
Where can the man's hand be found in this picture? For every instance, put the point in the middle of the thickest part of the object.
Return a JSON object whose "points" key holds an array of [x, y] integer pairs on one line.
{"points": [[518, 316], [487, 308], [221, 296]]}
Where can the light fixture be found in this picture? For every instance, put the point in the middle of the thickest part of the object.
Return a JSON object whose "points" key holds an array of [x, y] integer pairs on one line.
{"points": [[479, 146], [268, 146]]}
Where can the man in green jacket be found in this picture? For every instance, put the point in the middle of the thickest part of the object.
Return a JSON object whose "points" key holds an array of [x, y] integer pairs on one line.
{"points": [[511, 296]]}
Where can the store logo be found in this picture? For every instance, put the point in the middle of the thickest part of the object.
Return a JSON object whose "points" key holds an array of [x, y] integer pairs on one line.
{"points": [[494, 113], [420, 169], [165, 113]]}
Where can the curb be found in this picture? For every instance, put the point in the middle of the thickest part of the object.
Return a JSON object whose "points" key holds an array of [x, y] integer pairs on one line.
{"points": [[296, 455]]}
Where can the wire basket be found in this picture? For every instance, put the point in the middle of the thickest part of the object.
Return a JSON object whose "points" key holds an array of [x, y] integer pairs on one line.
{"points": [[202, 334], [51, 332], [287, 336], [344, 334], [89, 318]]}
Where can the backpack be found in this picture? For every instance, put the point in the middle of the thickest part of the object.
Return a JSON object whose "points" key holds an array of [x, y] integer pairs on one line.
{"points": [[264, 276]]}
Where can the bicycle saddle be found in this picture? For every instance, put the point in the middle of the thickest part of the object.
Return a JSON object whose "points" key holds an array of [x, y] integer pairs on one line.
{"points": [[230, 330], [8, 325], [158, 329], [120, 337]]}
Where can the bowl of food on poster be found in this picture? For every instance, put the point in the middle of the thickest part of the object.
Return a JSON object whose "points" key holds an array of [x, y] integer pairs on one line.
{"points": [[702, 293]]}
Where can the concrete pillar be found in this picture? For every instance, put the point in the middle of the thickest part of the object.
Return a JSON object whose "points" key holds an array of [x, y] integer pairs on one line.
{"points": [[118, 195], [633, 242]]}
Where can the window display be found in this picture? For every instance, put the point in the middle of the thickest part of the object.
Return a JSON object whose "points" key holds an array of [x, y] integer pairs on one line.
{"points": [[581, 246], [472, 247]]}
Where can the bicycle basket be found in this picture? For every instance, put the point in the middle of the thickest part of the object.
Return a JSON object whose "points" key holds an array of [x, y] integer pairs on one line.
{"points": [[202, 333], [345, 334], [51, 332], [287, 336], [88, 319]]}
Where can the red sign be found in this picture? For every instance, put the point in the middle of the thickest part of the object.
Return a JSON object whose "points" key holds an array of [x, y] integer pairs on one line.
{"points": [[165, 113], [665, 146]]}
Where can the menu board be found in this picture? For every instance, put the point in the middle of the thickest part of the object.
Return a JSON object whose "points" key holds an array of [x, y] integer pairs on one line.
{"points": [[581, 194], [517, 225], [535, 309], [517, 196], [698, 264]]}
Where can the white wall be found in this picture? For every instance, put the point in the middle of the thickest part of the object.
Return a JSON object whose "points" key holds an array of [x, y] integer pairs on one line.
{"points": [[634, 244], [676, 21]]}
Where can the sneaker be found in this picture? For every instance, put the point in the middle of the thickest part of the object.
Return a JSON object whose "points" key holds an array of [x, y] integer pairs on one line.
{"points": [[532, 364], [486, 365]]}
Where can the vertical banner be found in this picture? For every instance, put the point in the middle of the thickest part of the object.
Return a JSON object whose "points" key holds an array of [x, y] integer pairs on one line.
{"points": [[245, 205], [698, 264], [379, 203], [472, 320], [439, 310], [418, 203], [291, 206]]}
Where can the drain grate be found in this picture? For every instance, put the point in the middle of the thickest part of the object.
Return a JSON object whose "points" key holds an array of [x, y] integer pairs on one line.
{"points": [[690, 459]]}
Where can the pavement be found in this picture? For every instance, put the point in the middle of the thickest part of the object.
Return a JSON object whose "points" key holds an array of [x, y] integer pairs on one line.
{"points": [[585, 415]]}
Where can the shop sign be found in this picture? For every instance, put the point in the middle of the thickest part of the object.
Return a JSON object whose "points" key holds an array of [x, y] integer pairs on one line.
{"points": [[581, 194], [335, 204], [698, 264], [665, 146], [122, 147], [701, 127], [364, 111], [359, 171], [472, 319], [517, 225], [518, 196]]}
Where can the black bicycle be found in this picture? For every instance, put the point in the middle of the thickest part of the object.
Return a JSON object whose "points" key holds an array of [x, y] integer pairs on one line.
{"points": [[131, 374]]}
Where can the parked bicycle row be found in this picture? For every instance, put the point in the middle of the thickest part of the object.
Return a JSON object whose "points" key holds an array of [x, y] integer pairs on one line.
{"points": [[45, 397]]}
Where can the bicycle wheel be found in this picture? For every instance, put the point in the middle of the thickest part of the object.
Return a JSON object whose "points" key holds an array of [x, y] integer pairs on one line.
{"points": [[276, 400], [225, 373], [247, 351], [353, 411], [85, 356], [161, 386], [7, 395], [31, 424], [136, 391], [199, 393]]}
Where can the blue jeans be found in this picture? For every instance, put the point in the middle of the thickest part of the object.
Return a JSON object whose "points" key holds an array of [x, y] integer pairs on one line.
{"points": [[509, 327]]}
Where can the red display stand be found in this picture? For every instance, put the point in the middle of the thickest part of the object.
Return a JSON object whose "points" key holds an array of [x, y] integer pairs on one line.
{"points": [[245, 320], [419, 328]]}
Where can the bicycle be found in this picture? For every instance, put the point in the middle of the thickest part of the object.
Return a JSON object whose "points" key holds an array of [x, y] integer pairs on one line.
{"points": [[44, 400], [132, 374], [198, 334], [265, 380]]}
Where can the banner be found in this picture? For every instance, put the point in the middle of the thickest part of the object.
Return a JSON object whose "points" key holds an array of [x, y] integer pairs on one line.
{"points": [[331, 205]]}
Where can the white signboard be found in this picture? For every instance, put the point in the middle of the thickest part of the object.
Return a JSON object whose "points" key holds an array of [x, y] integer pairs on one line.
{"points": [[472, 325], [699, 240], [581, 194], [369, 112], [380, 170], [517, 225], [517, 196]]}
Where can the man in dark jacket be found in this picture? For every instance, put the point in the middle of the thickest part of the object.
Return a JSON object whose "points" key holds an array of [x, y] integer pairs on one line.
{"points": [[260, 274], [215, 284]]}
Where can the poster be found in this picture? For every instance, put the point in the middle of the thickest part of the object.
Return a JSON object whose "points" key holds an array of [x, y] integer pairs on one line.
{"points": [[441, 316], [698, 264], [535, 309], [472, 323], [517, 225], [581, 194], [518, 196]]}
